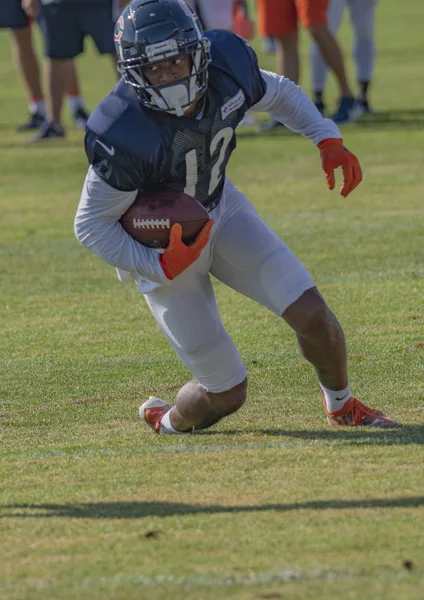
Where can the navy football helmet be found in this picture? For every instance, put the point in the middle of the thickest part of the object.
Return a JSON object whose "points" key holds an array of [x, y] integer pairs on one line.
{"points": [[151, 31]]}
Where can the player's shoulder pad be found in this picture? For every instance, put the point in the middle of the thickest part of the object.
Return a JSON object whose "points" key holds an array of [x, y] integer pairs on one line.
{"points": [[121, 142], [233, 55], [120, 118]]}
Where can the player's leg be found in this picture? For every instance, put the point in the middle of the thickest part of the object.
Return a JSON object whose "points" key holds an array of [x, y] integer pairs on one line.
{"points": [[250, 258], [28, 68], [187, 314], [13, 17], [319, 68], [279, 21], [313, 16], [362, 13], [63, 41], [322, 343], [75, 99]]}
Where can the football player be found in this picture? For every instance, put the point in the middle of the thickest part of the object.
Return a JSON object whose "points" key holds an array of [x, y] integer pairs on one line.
{"points": [[362, 17], [170, 124]]}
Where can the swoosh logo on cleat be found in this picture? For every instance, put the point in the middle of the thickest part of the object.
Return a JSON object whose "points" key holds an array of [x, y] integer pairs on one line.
{"points": [[342, 398], [110, 150]]}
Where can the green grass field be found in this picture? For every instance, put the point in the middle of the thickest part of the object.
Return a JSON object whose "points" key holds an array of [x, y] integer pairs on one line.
{"points": [[270, 503]]}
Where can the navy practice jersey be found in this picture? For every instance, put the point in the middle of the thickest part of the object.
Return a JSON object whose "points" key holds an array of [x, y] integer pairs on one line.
{"points": [[135, 148]]}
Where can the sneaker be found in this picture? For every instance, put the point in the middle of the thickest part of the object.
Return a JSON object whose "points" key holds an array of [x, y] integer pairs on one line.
{"points": [[355, 413], [152, 412], [348, 110], [34, 121], [366, 108], [80, 118], [48, 130]]}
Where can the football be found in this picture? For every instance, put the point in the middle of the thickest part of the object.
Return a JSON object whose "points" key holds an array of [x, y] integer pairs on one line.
{"points": [[150, 218]]}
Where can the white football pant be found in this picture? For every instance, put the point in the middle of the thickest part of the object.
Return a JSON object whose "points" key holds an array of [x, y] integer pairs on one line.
{"points": [[362, 16], [246, 255]]}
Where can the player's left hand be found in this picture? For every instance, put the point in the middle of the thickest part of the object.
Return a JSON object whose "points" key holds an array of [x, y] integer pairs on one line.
{"points": [[334, 155], [179, 256]]}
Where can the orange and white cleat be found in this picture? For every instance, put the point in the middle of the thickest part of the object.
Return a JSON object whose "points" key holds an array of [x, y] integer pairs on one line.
{"points": [[152, 412], [355, 414]]}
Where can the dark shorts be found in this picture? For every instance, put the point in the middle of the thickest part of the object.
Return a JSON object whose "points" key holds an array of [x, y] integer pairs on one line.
{"points": [[65, 26], [12, 15]]}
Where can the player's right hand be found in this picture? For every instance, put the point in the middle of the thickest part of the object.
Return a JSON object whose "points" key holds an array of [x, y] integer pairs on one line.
{"points": [[178, 256]]}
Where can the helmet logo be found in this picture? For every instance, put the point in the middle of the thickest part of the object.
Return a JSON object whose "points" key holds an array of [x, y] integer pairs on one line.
{"points": [[119, 29], [187, 9], [161, 50]]}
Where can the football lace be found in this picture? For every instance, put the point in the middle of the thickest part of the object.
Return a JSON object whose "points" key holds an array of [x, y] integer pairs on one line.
{"points": [[151, 223]]}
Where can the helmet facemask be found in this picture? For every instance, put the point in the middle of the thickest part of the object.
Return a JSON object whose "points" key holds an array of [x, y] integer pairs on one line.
{"points": [[177, 96]]}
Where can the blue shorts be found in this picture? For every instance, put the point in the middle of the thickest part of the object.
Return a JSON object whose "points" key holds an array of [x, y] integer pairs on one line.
{"points": [[12, 16], [65, 26]]}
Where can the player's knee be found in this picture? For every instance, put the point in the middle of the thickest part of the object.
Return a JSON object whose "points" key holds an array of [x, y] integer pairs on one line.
{"points": [[228, 402], [309, 314]]}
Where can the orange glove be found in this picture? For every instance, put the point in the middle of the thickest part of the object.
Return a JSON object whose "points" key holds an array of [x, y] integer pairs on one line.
{"points": [[178, 256], [333, 155]]}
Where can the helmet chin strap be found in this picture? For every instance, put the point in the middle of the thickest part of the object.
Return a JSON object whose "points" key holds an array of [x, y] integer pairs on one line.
{"points": [[173, 98]]}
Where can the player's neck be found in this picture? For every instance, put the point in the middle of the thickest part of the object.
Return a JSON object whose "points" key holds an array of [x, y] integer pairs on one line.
{"points": [[194, 109]]}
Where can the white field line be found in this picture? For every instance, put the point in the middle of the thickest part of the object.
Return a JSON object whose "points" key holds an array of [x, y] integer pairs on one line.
{"points": [[177, 448], [187, 448], [223, 580], [260, 578]]}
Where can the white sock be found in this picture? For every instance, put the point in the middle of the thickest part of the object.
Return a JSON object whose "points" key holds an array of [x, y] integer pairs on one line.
{"points": [[37, 106], [165, 424], [75, 102], [336, 399]]}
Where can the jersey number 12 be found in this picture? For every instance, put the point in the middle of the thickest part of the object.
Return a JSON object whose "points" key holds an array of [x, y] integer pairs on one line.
{"points": [[225, 135]]}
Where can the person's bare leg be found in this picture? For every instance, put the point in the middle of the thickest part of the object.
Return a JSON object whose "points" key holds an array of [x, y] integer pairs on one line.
{"points": [[26, 61], [332, 55], [56, 73], [322, 343], [195, 408], [320, 337], [71, 75], [287, 56]]}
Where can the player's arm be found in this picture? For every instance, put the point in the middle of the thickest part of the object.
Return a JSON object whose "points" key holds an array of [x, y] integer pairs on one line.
{"points": [[110, 187], [288, 103], [113, 181], [98, 229]]}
